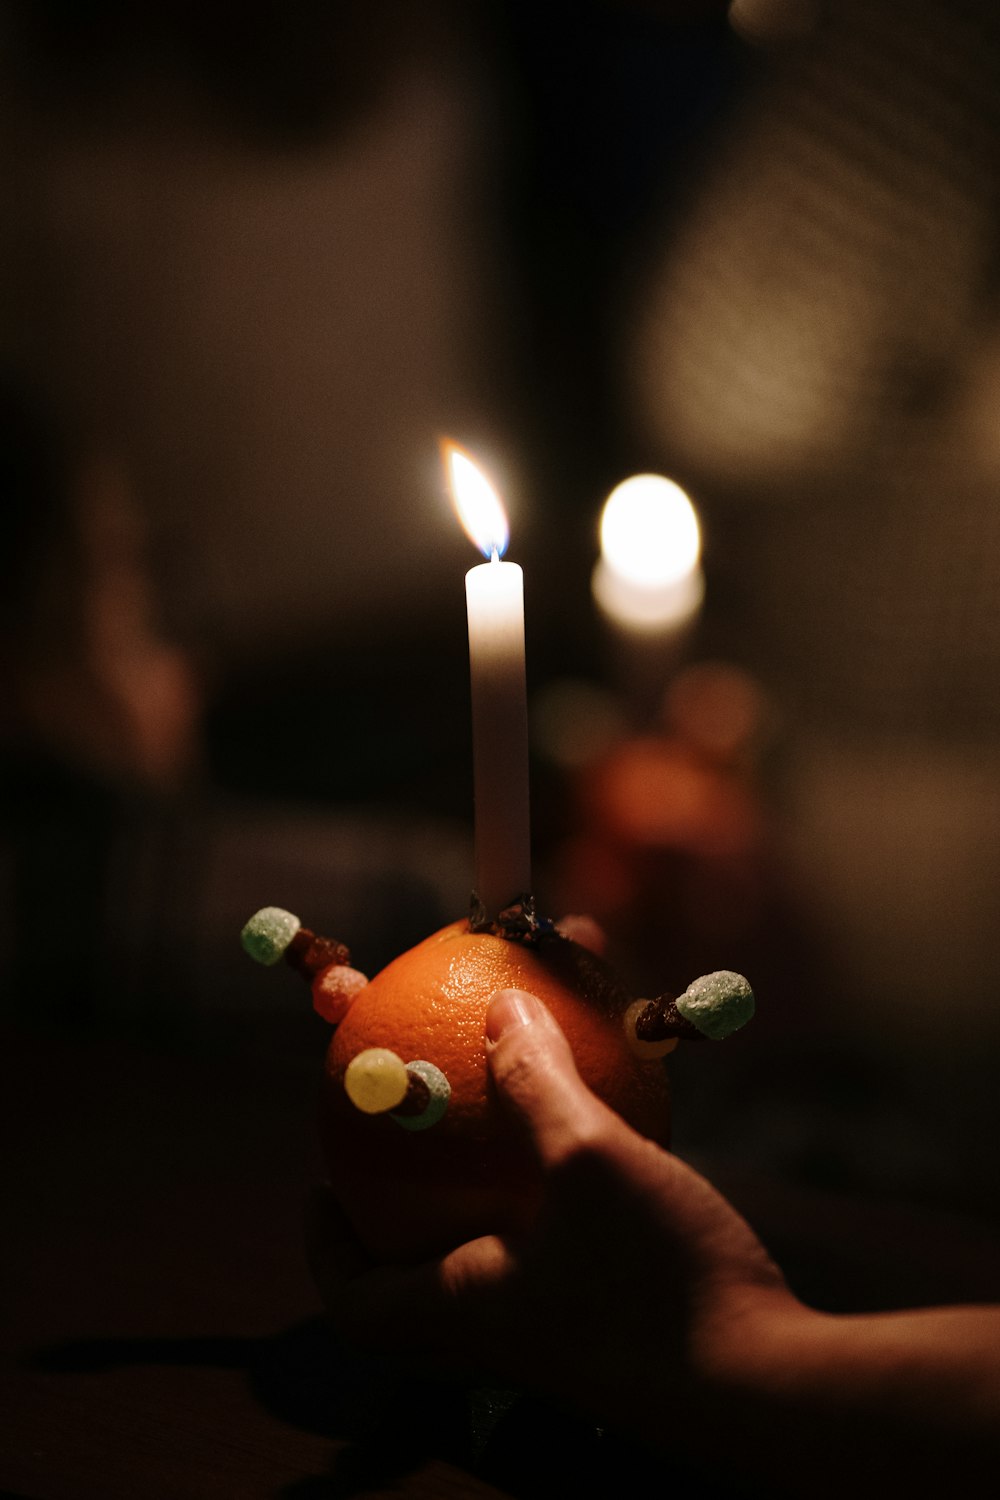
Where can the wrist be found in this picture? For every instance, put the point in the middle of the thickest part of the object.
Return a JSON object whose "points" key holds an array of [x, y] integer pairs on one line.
{"points": [[713, 1399], [748, 1339], [746, 1355]]}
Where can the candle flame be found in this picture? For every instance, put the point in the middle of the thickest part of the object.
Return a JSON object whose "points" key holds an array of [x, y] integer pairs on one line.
{"points": [[476, 502]]}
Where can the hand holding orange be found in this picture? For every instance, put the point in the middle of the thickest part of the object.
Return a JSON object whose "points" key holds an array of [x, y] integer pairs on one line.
{"points": [[420, 1153]]}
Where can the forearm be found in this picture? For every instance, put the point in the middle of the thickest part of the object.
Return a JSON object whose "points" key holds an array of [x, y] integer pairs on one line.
{"points": [[807, 1403]]}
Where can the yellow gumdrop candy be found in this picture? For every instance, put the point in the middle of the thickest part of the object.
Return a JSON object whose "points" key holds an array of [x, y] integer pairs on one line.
{"points": [[375, 1081]]}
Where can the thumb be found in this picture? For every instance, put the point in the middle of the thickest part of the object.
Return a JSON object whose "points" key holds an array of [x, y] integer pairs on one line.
{"points": [[534, 1072]]}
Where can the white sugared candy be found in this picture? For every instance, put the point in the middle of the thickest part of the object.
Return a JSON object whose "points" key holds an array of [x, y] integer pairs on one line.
{"points": [[718, 1004]]}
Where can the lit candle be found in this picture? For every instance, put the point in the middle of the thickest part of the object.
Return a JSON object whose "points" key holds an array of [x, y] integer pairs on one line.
{"points": [[495, 597], [648, 578]]}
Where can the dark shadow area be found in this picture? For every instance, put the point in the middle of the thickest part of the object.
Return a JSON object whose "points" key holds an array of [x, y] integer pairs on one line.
{"points": [[385, 1426], [306, 1377]]}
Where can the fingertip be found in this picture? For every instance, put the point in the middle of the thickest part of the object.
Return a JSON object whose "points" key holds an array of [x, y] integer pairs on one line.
{"points": [[511, 1009], [535, 1073]]}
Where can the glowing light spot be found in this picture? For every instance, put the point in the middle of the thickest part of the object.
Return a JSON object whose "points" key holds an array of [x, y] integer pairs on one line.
{"points": [[648, 576], [649, 531]]}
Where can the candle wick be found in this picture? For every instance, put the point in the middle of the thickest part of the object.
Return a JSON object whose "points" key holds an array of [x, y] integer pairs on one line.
{"points": [[495, 554]]}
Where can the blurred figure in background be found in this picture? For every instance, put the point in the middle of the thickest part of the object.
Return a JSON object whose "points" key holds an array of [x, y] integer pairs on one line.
{"points": [[88, 678], [98, 708]]}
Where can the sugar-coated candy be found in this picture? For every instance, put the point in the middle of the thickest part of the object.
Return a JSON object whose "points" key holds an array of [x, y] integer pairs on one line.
{"points": [[334, 988], [718, 1004], [268, 933], [438, 1090], [647, 1050], [376, 1081]]}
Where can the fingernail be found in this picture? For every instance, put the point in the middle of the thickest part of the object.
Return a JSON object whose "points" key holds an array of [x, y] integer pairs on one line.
{"points": [[509, 1009]]}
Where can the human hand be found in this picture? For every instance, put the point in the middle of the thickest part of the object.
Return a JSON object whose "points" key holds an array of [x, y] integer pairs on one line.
{"points": [[626, 1295]]}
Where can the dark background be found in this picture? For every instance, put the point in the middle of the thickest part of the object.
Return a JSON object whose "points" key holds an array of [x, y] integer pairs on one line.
{"points": [[254, 265]]}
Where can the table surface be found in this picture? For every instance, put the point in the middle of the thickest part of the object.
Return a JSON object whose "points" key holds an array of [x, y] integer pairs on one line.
{"points": [[164, 1339]]}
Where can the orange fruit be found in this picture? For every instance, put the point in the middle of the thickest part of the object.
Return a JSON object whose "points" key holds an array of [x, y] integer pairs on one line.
{"points": [[416, 1193]]}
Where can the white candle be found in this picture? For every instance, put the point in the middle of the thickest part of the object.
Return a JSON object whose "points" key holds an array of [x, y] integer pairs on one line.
{"points": [[495, 598]]}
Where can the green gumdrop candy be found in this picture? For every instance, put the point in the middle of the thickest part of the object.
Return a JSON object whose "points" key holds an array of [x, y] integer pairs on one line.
{"points": [[268, 933], [718, 1004]]}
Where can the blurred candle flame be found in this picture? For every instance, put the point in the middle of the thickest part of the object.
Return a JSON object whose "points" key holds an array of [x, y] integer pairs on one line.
{"points": [[649, 531], [477, 504], [648, 577]]}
